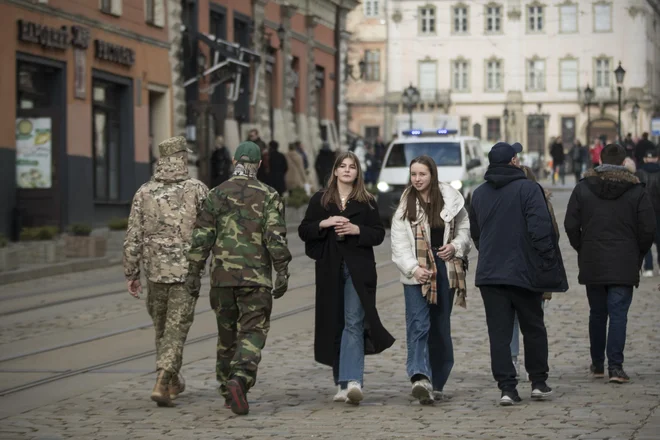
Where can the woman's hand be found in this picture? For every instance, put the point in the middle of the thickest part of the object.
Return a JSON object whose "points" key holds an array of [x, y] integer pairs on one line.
{"points": [[347, 228], [333, 221], [446, 252], [423, 275]]}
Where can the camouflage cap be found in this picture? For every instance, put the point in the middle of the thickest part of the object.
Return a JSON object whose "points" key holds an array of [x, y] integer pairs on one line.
{"points": [[250, 150], [173, 145]]}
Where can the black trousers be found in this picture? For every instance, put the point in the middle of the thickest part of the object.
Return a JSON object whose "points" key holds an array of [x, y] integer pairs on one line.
{"points": [[501, 302]]}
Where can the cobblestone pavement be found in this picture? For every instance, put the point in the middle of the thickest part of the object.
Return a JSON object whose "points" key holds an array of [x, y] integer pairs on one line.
{"points": [[292, 398]]}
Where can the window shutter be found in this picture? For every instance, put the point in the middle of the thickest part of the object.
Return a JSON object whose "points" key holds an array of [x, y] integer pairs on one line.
{"points": [[116, 7], [159, 13]]}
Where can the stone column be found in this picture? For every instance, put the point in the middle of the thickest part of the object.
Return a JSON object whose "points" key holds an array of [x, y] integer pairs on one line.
{"points": [[260, 41], [342, 53], [176, 63]]}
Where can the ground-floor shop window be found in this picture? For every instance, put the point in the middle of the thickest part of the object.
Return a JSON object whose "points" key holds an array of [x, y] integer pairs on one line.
{"points": [[106, 140]]}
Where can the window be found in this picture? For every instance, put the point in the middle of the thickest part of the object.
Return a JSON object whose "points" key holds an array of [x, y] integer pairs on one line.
{"points": [[493, 76], [371, 132], [445, 154], [112, 7], [460, 76], [428, 80], [535, 18], [603, 73], [427, 20], [602, 17], [535, 75], [568, 79], [372, 60], [154, 11], [568, 15], [371, 8], [493, 129], [460, 20], [106, 136], [465, 126], [493, 18]]}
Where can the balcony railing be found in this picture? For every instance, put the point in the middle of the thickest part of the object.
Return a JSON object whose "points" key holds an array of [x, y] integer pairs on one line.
{"points": [[603, 95]]}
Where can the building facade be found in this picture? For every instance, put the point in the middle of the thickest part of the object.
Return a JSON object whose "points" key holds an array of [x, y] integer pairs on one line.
{"points": [[517, 70], [86, 87], [270, 65]]}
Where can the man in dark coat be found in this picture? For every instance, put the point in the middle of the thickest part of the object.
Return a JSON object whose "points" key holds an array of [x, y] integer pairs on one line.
{"points": [[642, 146], [558, 160], [324, 163], [278, 167], [519, 260], [611, 224], [649, 175], [220, 163]]}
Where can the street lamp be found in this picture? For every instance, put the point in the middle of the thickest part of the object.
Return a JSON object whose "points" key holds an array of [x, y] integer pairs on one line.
{"points": [[410, 99], [635, 111], [619, 73], [505, 117], [588, 96]]}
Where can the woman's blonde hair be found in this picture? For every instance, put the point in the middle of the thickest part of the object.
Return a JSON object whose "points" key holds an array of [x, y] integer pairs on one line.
{"points": [[359, 192]]}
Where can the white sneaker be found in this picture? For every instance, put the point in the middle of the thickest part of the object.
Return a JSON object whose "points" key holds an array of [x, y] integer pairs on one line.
{"points": [[647, 273], [341, 395], [354, 393], [422, 390]]}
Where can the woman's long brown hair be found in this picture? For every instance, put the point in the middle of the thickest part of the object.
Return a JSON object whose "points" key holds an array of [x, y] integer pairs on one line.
{"points": [[359, 192], [412, 196]]}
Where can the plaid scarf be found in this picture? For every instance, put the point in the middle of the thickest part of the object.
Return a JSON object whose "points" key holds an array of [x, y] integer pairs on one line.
{"points": [[456, 267], [426, 261]]}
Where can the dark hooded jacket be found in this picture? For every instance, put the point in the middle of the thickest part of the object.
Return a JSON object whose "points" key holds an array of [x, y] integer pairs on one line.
{"points": [[649, 175], [610, 222], [511, 227]]}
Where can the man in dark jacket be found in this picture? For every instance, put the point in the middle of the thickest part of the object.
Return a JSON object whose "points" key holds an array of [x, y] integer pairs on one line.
{"points": [[558, 160], [649, 175], [641, 148], [611, 224], [220, 163], [324, 163], [278, 167], [519, 259]]}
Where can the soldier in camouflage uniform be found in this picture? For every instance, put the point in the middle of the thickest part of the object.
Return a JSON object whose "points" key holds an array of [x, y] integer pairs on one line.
{"points": [[159, 234], [242, 221]]}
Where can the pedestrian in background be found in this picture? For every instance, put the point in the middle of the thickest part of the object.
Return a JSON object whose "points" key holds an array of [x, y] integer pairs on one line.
{"points": [[295, 176], [519, 260], [580, 157], [642, 147], [158, 237], [324, 163], [340, 229], [611, 224], [278, 168], [242, 222], [547, 296], [649, 175], [220, 162], [430, 240], [594, 153], [558, 161]]}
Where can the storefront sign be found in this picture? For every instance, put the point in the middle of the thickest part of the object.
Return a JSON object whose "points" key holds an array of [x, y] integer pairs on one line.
{"points": [[114, 53], [33, 153], [46, 36]]}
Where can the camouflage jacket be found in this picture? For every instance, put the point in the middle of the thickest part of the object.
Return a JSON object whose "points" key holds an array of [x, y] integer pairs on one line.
{"points": [[242, 221], [161, 223]]}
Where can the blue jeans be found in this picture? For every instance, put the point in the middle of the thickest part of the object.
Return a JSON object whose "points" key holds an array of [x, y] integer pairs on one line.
{"points": [[428, 331], [648, 258], [515, 340], [613, 302], [351, 355]]}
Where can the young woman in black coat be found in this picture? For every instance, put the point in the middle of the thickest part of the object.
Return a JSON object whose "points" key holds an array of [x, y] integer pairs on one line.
{"points": [[340, 229]]}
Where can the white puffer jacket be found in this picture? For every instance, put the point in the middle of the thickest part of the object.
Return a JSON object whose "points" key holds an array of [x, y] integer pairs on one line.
{"points": [[404, 253]]}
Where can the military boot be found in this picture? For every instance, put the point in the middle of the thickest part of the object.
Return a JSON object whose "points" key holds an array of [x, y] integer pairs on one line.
{"points": [[177, 385], [161, 392]]}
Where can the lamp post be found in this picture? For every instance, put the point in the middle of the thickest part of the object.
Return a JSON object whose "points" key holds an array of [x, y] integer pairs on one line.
{"points": [[619, 73], [505, 117], [410, 99], [635, 111], [588, 96]]}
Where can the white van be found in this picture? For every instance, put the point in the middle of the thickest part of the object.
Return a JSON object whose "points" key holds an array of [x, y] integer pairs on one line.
{"points": [[460, 160]]}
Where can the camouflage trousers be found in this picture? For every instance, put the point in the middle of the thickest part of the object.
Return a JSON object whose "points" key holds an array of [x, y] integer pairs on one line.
{"points": [[172, 310], [243, 316]]}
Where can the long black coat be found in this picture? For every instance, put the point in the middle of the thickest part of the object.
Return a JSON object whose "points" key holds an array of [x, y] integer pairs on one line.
{"points": [[357, 252], [511, 226], [611, 223]]}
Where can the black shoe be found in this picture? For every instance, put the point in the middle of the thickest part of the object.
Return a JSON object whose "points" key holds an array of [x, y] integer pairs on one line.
{"points": [[597, 370], [617, 375], [540, 391], [239, 403], [510, 398]]}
